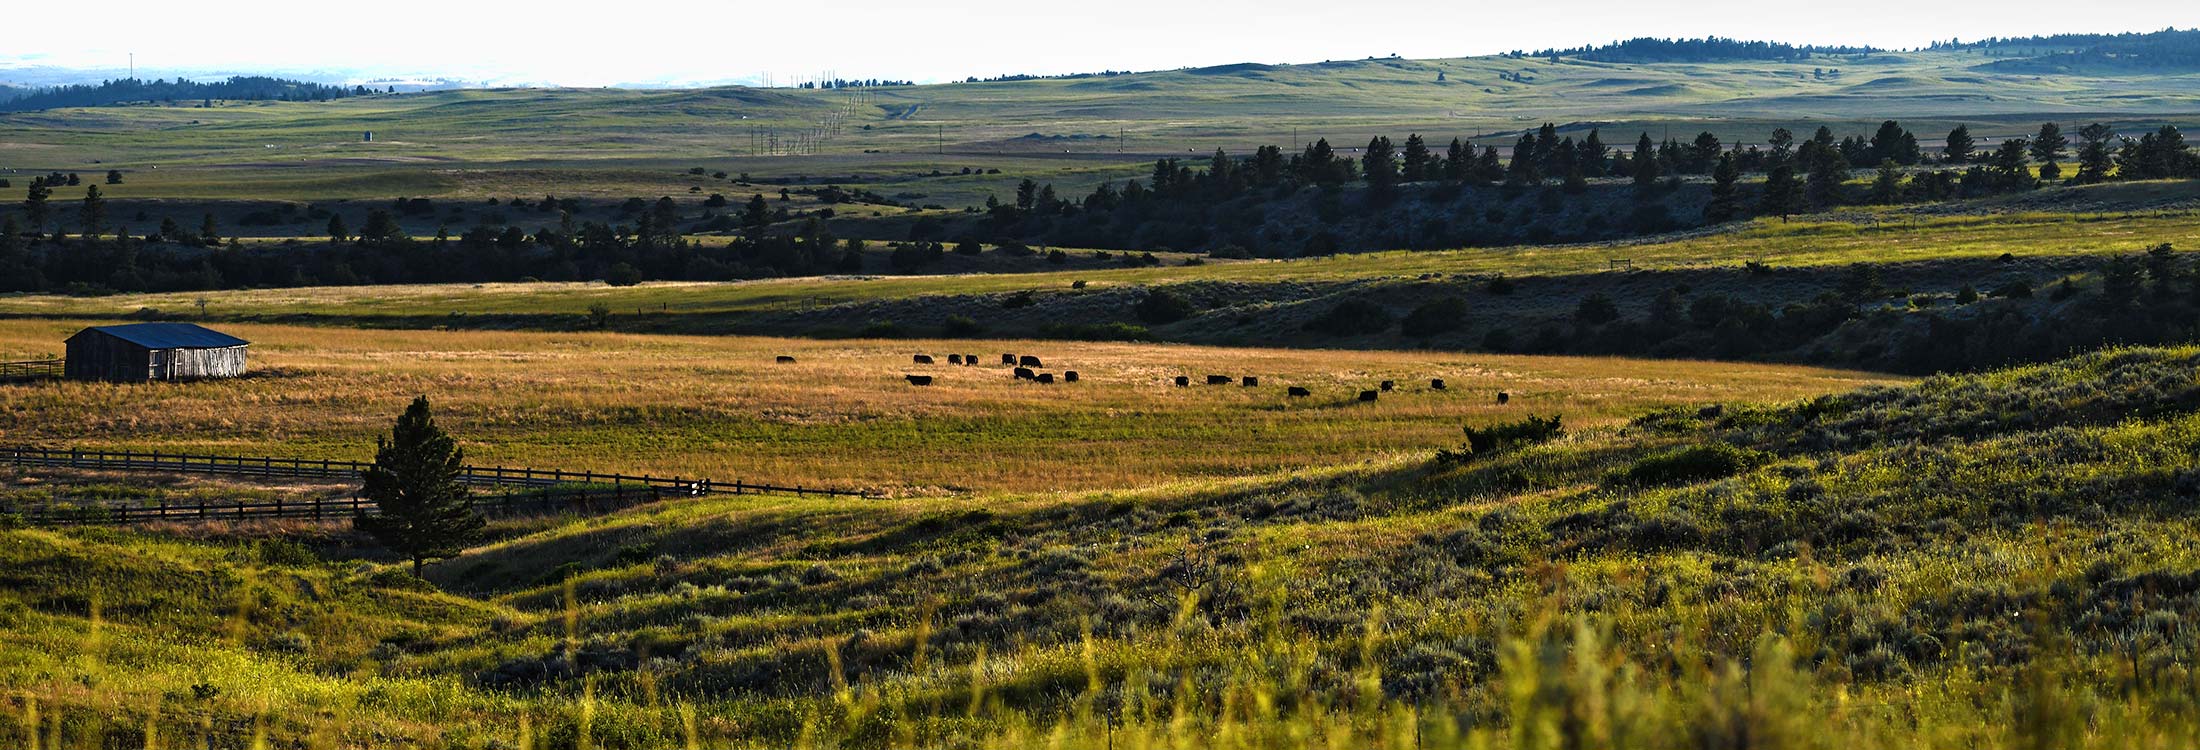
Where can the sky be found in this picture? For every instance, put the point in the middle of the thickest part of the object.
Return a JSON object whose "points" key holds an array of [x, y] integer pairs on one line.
{"points": [[684, 41]]}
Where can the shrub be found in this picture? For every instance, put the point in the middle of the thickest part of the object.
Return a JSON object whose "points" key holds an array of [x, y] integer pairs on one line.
{"points": [[1596, 309], [1441, 316], [1096, 332], [1508, 435], [881, 329], [1162, 306], [961, 326], [1351, 317], [1696, 463], [622, 274]]}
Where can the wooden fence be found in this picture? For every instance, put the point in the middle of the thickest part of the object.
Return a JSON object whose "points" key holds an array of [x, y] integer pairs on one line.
{"points": [[43, 369], [508, 504], [308, 468]]}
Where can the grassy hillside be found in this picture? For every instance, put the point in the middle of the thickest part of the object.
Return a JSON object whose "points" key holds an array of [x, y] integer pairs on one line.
{"points": [[480, 144], [1995, 560]]}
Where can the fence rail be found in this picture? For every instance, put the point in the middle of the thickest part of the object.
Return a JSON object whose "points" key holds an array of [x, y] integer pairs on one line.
{"points": [[508, 504], [42, 369], [308, 468]]}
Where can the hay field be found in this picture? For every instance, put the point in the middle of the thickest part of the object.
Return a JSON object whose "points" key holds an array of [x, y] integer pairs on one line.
{"points": [[842, 416]]}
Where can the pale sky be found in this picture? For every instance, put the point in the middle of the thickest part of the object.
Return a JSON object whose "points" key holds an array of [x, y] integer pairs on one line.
{"points": [[604, 43]]}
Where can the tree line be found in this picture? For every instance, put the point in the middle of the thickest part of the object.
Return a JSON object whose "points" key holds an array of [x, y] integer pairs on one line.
{"points": [[1707, 49], [126, 90], [1222, 203]]}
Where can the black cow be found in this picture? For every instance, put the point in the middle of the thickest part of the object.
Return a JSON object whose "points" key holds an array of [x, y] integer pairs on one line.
{"points": [[1008, 359], [1503, 397], [1388, 385], [1046, 377], [954, 359], [786, 360], [1069, 376], [1250, 382], [918, 379], [1181, 380], [1218, 380], [1713, 411], [1436, 384], [1300, 392], [1367, 395], [1029, 361], [923, 359], [970, 360], [1025, 373]]}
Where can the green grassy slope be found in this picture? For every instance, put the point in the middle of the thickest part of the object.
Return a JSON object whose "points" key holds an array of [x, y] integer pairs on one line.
{"points": [[503, 141], [1982, 560]]}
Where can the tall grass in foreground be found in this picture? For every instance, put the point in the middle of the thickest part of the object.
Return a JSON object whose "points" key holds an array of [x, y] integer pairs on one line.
{"points": [[1557, 681]]}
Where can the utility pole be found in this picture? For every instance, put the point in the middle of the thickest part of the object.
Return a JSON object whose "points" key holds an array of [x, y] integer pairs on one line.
{"points": [[133, 66]]}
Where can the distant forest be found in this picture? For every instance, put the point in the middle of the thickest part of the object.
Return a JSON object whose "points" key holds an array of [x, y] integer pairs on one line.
{"points": [[2168, 49], [128, 90], [1707, 49]]}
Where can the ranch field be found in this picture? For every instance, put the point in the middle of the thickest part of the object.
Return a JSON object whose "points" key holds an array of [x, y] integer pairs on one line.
{"points": [[842, 416]]}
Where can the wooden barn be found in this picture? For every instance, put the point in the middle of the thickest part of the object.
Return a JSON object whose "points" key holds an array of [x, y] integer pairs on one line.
{"points": [[142, 352]]}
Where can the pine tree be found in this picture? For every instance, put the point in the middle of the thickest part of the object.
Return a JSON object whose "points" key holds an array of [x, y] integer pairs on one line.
{"points": [[424, 512], [210, 233], [1416, 159], [1458, 161], [1645, 164], [1959, 145], [337, 231], [1592, 154], [36, 206], [1781, 196], [1782, 147], [1488, 167], [1379, 166], [2013, 168], [1726, 199], [91, 217], [1523, 169], [1887, 188], [1827, 171], [2095, 158]]}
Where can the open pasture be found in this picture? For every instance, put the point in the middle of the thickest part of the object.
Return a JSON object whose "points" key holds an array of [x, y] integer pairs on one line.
{"points": [[842, 415]]}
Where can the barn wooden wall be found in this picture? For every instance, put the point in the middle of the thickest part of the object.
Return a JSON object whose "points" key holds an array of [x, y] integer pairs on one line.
{"points": [[100, 357]]}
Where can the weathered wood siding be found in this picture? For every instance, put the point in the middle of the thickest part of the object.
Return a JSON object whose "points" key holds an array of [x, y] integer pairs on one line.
{"points": [[97, 356], [192, 364]]}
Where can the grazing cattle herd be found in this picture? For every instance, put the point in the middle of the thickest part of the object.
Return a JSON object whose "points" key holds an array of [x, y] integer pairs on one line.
{"points": [[1027, 368]]}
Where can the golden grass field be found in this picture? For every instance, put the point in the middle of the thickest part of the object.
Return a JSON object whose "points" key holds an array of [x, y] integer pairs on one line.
{"points": [[842, 416]]}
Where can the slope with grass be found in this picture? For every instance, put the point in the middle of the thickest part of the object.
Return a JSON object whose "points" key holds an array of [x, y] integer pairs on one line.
{"points": [[1891, 565]]}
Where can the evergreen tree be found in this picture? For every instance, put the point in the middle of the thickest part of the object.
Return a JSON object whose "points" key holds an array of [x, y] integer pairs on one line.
{"points": [[1782, 147], [1379, 166], [1782, 196], [1959, 145], [1828, 169], [1487, 167], [1523, 168], [1887, 187], [91, 217], [2095, 158], [2012, 171], [36, 206], [210, 234], [424, 512], [1726, 199], [1458, 161], [1645, 164], [1592, 154], [381, 227], [1416, 159], [1893, 142], [337, 231]]}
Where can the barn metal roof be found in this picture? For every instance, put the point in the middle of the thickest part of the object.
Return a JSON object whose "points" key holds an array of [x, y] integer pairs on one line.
{"points": [[169, 336]]}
